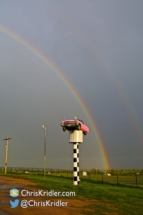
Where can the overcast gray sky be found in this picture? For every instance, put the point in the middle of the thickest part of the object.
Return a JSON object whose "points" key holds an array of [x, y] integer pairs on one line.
{"points": [[98, 47]]}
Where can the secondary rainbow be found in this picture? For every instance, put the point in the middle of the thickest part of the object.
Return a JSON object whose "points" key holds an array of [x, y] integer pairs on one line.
{"points": [[114, 80], [69, 86]]}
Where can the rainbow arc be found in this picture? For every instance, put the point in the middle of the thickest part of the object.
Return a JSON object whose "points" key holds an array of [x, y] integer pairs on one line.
{"points": [[53, 67]]}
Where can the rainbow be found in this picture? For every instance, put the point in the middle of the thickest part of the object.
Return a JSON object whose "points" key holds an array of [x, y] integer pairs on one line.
{"points": [[68, 85], [106, 67]]}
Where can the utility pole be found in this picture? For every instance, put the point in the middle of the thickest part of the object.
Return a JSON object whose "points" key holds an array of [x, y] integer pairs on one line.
{"points": [[6, 154]]}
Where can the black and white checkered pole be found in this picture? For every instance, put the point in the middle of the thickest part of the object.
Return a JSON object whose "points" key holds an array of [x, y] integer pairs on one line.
{"points": [[75, 163], [76, 137]]}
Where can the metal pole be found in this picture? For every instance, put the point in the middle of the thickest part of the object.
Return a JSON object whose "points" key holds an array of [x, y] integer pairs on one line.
{"points": [[45, 154], [6, 154], [44, 150]]}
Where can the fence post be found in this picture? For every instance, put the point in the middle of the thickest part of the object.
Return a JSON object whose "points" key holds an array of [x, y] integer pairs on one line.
{"points": [[136, 180], [89, 175], [102, 177], [117, 179]]}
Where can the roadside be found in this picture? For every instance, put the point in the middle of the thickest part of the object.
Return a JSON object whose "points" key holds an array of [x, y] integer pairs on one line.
{"points": [[6, 183]]}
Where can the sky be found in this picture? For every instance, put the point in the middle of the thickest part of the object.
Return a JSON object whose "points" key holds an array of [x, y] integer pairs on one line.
{"points": [[60, 59]]}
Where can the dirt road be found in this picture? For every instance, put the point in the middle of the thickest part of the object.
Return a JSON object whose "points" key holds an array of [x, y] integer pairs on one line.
{"points": [[6, 183]]}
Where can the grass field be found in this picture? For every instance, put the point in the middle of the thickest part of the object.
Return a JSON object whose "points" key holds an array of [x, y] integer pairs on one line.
{"points": [[105, 198], [129, 179], [134, 180]]}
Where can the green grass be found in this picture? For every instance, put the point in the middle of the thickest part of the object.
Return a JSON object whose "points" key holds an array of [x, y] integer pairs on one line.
{"points": [[105, 198]]}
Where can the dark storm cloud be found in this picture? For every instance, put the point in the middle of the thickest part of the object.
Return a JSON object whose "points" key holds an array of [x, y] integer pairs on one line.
{"points": [[98, 47]]}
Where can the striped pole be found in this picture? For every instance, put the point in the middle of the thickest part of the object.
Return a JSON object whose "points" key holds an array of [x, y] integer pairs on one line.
{"points": [[75, 163]]}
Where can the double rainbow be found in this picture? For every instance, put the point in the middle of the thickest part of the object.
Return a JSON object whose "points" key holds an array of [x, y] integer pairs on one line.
{"points": [[68, 85]]}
